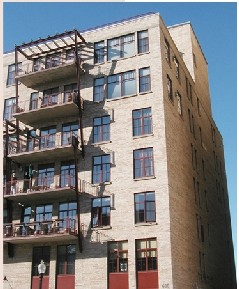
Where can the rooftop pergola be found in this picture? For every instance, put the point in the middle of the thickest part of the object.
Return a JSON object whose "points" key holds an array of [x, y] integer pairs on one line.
{"points": [[50, 44]]}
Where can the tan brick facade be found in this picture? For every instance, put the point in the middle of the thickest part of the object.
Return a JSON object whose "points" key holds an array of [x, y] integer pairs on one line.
{"points": [[181, 159]]}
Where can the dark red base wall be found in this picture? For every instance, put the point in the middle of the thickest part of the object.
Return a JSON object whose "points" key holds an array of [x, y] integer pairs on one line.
{"points": [[36, 282], [147, 280], [65, 282], [118, 281]]}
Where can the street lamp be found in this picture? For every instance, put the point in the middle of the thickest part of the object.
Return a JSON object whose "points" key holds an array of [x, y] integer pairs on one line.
{"points": [[41, 271]]}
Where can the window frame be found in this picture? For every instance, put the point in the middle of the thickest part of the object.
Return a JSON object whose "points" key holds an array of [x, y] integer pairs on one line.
{"points": [[102, 212], [99, 57], [167, 51], [120, 79], [143, 119], [146, 209], [119, 46], [12, 73], [146, 79], [104, 169], [65, 260], [99, 89], [141, 44], [70, 169], [143, 163], [118, 261], [67, 131], [101, 132], [169, 88], [67, 215], [9, 110], [146, 251], [36, 257]]}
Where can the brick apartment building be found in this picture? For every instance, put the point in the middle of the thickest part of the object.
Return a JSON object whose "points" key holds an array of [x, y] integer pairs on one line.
{"points": [[114, 169]]}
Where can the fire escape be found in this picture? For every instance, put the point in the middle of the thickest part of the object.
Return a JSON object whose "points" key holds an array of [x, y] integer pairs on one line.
{"points": [[46, 61]]}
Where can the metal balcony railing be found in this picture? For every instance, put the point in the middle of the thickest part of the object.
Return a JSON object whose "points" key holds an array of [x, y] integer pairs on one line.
{"points": [[39, 183], [36, 228], [48, 100], [40, 143], [46, 63]]}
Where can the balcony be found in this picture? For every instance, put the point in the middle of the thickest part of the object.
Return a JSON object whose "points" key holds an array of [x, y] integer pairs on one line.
{"points": [[50, 186], [49, 71], [38, 111], [50, 146], [61, 185], [40, 231]]}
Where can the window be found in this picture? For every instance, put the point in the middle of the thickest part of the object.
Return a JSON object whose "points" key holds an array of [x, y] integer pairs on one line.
{"points": [[200, 229], [202, 266], [67, 213], [146, 254], [121, 47], [187, 83], [25, 218], [179, 98], [213, 134], [142, 121], [99, 93], [47, 139], [176, 63], [144, 80], [121, 84], [194, 60], [100, 212], [53, 60], [143, 163], [37, 64], [69, 91], [99, 52], [169, 88], [197, 192], [70, 54], [145, 210], [118, 256], [101, 129], [45, 176], [9, 108], [198, 107], [43, 213], [40, 253], [194, 157], [50, 97], [67, 174], [143, 41], [69, 130], [11, 73], [33, 100], [190, 93], [66, 260], [101, 169], [167, 51]]}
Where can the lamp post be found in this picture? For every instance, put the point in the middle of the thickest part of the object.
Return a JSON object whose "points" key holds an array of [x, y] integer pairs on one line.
{"points": [[41, 271]]}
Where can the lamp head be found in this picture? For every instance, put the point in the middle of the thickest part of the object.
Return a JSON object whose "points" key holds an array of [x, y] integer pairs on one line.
{"points": [[42, 268]]}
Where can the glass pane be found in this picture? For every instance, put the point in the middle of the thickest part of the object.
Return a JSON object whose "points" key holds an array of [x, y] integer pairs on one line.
{"points": [[139, 198], [96, 202], [144, 71], [106, 201], [141, 244], [150, 196], [152, 243]]}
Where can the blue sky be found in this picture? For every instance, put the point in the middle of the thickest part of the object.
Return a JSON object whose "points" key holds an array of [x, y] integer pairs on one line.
{"points": [[214, 24]]}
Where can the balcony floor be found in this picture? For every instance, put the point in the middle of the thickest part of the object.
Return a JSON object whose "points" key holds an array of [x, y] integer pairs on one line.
{"points": [[37, 117], [36, 79], [33, 239]]}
